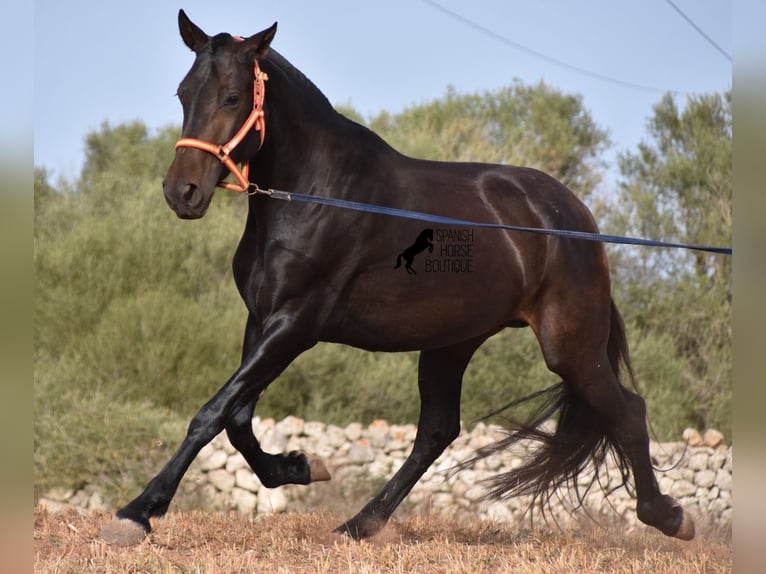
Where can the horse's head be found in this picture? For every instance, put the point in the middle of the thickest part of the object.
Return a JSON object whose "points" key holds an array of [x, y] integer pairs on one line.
{"points": [[217, 96]]}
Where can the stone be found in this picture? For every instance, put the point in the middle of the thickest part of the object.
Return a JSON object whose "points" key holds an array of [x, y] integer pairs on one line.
{"points": [[274, 441], [226, 446], [682, 488], [80, 498], [236, 462], [222, 480], [245, 479], [663, 451], [693, 437], [459, 489], [399, 438], [380, 467], [716, 460], [216, 459], [698, 461], [271, 501], [475, 493], [95, 502], [361, 452], [53, 506], [705, 478], [723, 479], [499, 512], [718, 506], [494, 462], [262, 426], [378, 433], [291, 426], [713, 438], [314, 429], [353, 431], [441, 500], [334, 436], [244, 501], [59, 494]]}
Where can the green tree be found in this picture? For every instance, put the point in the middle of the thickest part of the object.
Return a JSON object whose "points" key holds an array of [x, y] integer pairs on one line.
{"points": [[678, 187], [137, 320]]}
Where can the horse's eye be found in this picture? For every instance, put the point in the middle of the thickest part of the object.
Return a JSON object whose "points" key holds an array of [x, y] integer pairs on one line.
{"points": [[231, 100]]}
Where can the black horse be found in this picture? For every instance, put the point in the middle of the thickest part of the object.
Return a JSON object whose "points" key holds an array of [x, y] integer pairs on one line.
{"points": [[303, 282], [423, 241]]}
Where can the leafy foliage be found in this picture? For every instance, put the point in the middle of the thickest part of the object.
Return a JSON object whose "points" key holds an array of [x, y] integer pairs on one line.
{"points": [[136, 317], [678, 187]]}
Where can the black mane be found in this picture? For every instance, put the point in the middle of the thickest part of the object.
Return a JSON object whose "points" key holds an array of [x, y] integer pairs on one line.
{"points": [[301, 83]]}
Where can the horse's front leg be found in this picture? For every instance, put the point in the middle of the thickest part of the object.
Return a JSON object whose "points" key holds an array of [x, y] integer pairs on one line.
{"points": [[272, 470], [275, 350]]}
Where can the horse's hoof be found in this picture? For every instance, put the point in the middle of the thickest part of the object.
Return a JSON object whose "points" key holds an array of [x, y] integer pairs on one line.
{"points": [[317, 468], [361, 526], [686, 529], [123, 532]]}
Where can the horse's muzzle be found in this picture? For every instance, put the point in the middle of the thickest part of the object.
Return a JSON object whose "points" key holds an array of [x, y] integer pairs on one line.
{"points": [[187, 199]]}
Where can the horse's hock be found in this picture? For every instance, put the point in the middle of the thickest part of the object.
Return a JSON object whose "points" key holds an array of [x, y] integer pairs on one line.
{"points": [[696, 471]]}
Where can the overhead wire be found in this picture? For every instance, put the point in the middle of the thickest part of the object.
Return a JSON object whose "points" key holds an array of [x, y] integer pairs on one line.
{"points": [[507, 41], [699, 30]]}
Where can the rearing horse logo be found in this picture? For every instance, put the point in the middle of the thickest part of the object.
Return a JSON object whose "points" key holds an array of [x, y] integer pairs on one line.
{"points": [[423, 242]]}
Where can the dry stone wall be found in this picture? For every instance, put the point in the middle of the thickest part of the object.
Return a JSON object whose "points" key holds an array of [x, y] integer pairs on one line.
{"points": [[697, 471]]}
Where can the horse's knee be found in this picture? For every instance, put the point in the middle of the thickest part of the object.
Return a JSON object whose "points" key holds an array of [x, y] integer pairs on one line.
{"points": [[204, 426]]}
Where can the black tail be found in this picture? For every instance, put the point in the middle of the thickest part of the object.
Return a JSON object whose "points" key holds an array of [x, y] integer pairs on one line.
{"points": [[580, 438], [398, 261]]}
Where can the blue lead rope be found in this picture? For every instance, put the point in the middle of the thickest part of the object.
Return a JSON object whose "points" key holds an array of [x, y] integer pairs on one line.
{"points": [[379, 209]]}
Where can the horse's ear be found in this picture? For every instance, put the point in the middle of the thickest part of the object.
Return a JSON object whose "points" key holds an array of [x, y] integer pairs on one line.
{"points": [[257, 46], [192, 35]]}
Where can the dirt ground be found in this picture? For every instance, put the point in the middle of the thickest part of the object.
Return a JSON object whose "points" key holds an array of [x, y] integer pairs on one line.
{"points": [[68, 542]]}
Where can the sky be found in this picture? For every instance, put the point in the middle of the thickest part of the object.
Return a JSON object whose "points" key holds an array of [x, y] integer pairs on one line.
{"points": [[102, 61]]}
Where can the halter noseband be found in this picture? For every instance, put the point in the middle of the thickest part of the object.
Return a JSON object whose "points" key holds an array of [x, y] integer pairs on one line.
{"points": [[255, 121]]}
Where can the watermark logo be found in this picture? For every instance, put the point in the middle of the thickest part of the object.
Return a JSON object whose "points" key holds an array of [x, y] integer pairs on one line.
{"points": [[424, 241], [450, 250]]}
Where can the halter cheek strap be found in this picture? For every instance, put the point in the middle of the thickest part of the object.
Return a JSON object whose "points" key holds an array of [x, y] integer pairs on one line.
{"points": [[256, 120]]}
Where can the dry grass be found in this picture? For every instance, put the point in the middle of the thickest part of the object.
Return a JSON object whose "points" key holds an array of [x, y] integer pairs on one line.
{"points": [[304, 543]]}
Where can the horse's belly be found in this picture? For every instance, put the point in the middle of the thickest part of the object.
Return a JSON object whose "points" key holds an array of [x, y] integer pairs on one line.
{"points": [[441, 302]]}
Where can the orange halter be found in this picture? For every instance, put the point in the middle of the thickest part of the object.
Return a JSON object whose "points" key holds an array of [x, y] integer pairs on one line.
{"points": [[255, 120]]}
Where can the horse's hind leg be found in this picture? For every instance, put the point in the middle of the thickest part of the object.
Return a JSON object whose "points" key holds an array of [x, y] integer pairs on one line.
{"points": [[440, 375], [574, 343]]}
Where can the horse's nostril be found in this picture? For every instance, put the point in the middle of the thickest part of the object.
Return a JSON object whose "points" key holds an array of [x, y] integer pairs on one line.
{"points": [[188, 193]]}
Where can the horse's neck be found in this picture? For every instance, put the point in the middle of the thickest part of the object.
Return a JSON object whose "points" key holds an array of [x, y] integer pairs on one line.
{"points": [[309, 139], [298, 117]]}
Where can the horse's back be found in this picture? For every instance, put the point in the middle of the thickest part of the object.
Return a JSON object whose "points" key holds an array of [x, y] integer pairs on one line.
{"points": [[527, 196]]}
